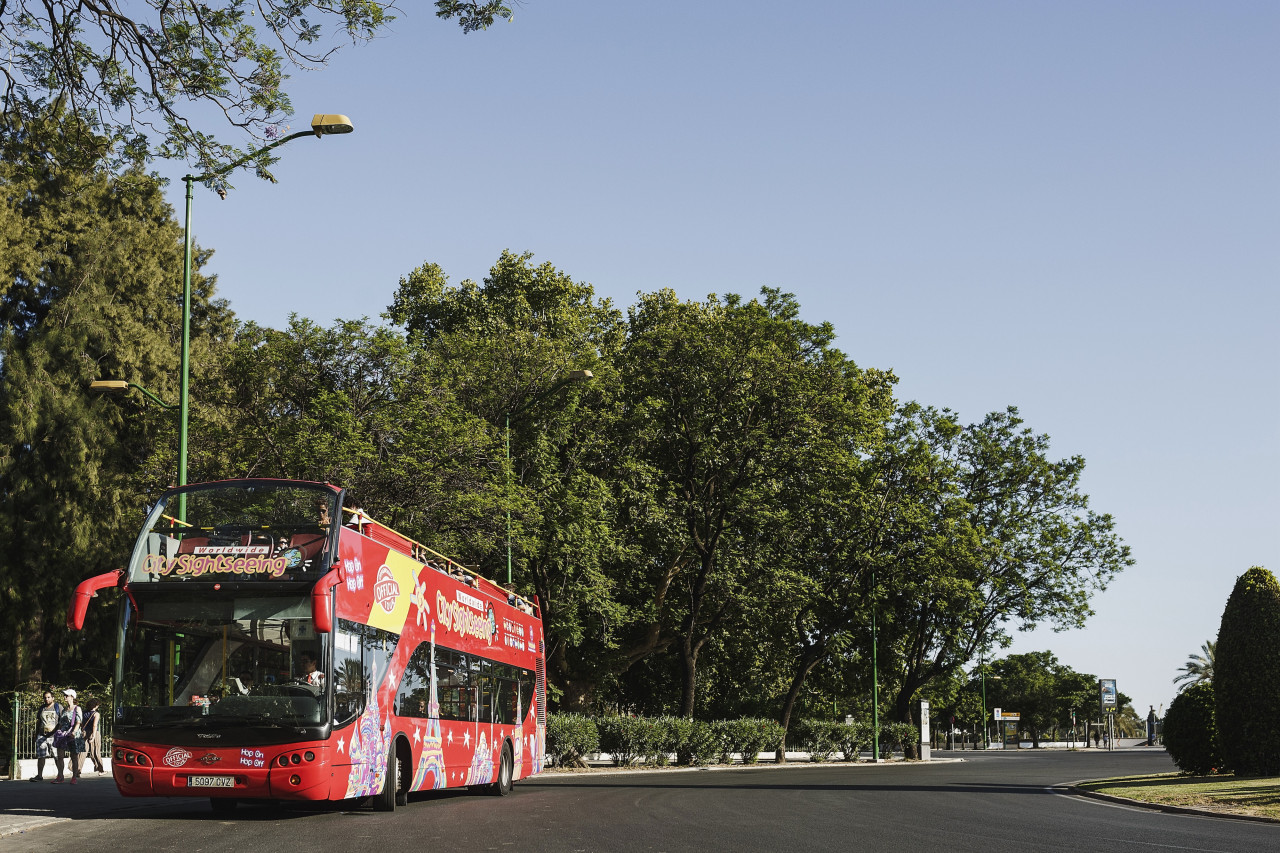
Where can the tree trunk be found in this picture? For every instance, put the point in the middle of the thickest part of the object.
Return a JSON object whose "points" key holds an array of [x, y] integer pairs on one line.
{"points": [[808, 660], [689, 691]]}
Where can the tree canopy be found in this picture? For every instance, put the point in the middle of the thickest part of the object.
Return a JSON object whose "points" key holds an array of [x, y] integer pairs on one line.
{"points": [[709, 522], [163, 77]]}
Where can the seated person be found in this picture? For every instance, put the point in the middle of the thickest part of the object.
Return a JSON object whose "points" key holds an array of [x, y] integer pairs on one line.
{"points": [[309, 543], [310, 673]]}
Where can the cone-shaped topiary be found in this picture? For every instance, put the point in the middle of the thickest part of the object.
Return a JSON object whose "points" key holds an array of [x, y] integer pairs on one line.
{"points": [[1189, 732], [1246, 678]]}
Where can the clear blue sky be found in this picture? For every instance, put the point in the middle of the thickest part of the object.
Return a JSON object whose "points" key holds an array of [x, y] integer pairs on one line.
{"points": [[1071, 208]]}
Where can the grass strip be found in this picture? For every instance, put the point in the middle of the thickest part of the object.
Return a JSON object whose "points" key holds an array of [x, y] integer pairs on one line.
{"points": [[1226, 794]]}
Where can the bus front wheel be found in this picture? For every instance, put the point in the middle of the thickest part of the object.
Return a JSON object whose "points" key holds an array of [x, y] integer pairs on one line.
{"points": [[385, 801]]}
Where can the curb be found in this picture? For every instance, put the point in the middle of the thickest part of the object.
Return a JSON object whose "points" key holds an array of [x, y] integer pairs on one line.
{"points": [[610, 770], [1161, 807]]}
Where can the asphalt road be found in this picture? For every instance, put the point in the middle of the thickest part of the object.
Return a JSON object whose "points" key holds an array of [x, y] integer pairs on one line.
{"points": [[988, 803]]}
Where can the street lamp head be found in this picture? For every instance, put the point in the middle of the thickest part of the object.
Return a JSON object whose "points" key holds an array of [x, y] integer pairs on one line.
{"points": [[581, 376], [330, 124], [108, 385]]}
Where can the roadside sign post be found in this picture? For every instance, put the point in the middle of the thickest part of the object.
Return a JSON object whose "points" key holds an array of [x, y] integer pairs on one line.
{"points": [[925, 740], [1107, 705]]}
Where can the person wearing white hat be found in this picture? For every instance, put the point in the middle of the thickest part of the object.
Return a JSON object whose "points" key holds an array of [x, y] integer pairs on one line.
{"points": [[69, 738]]}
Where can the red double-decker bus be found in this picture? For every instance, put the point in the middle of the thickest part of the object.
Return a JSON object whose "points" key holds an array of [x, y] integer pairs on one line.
{"points": [[275, 644]]}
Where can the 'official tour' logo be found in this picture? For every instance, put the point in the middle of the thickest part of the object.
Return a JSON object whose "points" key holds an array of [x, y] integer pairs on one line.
{"points": [[386, 590]]}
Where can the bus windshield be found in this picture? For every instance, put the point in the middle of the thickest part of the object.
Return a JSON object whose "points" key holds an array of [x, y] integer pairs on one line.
{"points": [[212, 659], [238, 531]]}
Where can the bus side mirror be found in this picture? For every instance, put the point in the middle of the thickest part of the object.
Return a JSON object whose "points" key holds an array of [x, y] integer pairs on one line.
{"points": [[322, 601], [85, 591]]}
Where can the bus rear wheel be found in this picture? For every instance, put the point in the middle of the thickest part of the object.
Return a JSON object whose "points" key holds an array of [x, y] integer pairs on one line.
{"points": [[506, 771]]}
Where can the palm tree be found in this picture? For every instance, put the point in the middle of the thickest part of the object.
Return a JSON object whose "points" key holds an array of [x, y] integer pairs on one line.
{"points": [[1198, 668]]}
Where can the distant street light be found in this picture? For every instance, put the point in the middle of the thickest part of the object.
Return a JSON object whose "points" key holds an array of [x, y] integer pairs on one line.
{"points": [[321, 125], [123, 385], [573, 376]]}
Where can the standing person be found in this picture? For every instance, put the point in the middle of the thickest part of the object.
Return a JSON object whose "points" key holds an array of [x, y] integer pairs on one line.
{"points": [[93, 733], [46, 725], [69, 738]]}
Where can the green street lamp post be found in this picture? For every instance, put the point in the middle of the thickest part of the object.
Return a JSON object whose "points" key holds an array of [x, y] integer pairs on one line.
{"points": [[123, 385], [321, 125], [875, 679], [573, 376], [982, 667]]}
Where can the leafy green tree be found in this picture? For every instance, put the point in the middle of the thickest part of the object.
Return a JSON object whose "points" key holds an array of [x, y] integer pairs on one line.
{"points": [[1198, 668], [508, 348], [153, 68], [722, 401], [1009, 541], [1246, 684], [1190, 730], [92, 269]]}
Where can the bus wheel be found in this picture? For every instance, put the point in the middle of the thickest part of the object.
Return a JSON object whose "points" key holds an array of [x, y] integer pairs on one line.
{"points": [[386, 800], [506, 770], [223, 805], [405, 773]]}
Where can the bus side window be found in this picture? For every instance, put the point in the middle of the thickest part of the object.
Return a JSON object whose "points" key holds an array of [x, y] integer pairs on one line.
{"points": [[350, 675], [412, 697]]}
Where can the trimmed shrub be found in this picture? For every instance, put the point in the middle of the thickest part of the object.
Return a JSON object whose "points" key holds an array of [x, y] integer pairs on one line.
{"points": [[664, 737], [817, 737], [570, 737], [700, 744], [748, 737], [625, 738], [852, 738], [894, 737], [1190, 735], [1246, 676]]}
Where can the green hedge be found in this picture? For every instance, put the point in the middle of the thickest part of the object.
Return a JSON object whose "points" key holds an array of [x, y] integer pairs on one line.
{"points": [[570, 738], [1246, 676], [655, 740], [1190, 733]]}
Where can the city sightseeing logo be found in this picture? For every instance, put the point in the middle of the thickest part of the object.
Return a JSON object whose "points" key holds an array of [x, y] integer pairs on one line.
{"points": [[468, 616], [386, 590]]}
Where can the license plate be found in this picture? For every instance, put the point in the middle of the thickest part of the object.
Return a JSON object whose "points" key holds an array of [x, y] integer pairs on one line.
{"points": [[212, 782]]}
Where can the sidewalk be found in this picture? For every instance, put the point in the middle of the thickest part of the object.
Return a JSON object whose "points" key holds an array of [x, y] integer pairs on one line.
{"points": [[26, 805]]}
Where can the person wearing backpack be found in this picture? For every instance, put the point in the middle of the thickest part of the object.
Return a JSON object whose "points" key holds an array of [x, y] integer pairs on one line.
{"points": [[93, 733], [46, 724], [69, 738]]}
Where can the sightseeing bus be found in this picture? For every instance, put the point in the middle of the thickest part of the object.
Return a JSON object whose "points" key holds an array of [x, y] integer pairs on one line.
{"points": [[276, 644]]}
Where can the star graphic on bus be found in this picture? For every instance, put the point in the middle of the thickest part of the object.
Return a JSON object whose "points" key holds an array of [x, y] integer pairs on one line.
{"points": [[451, 737], [340, 749], [466, 738]]}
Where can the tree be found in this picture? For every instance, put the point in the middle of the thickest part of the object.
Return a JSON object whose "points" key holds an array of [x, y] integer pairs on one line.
{"points": [[1190, 731], [1246, 684], [91, 265], [152, 68], [1198, 668], [1007, 539], [505, 347], [721, 402]]}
